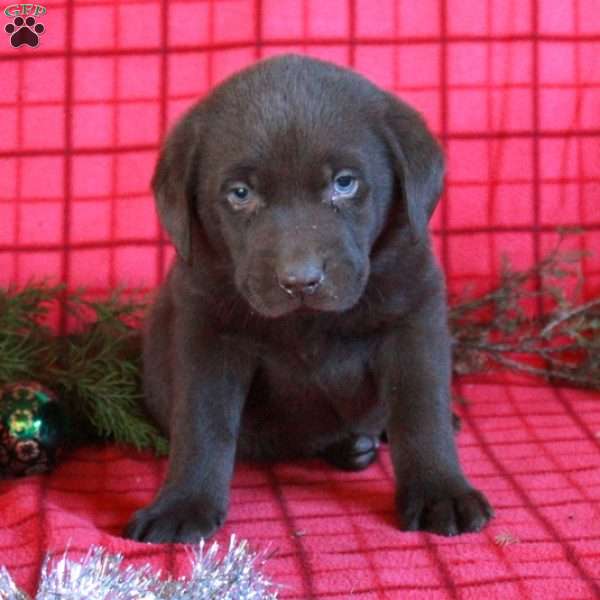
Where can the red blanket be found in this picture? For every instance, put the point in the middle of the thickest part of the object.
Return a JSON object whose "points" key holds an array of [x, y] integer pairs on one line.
{"points": [[533, 450], [511, 87]]}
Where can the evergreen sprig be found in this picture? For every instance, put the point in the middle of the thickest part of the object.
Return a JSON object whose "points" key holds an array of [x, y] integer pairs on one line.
{"points": [[25, 342], [95, 370]]}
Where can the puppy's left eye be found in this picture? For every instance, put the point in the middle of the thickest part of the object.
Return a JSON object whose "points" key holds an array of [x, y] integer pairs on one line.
{"points": [[345, 185]]}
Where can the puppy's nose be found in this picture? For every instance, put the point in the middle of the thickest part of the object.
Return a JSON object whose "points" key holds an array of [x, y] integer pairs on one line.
{"points": [[301, 279]]}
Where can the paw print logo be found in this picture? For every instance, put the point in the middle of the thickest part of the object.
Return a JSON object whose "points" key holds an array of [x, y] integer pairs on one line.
{"points": [[24, 31]]}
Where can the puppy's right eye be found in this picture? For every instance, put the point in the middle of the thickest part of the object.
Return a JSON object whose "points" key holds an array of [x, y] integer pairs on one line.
{"points": [[240, 193], [240, 196]]}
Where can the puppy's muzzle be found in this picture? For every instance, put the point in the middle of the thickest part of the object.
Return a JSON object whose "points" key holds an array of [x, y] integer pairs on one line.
{"points": [[301, 279]]}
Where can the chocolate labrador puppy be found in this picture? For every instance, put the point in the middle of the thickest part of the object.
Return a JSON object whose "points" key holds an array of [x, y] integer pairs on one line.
{"points": [[305, 313]]}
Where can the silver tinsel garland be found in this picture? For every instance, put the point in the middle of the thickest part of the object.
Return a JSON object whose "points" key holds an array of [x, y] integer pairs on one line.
{"points": [[101, 576]]}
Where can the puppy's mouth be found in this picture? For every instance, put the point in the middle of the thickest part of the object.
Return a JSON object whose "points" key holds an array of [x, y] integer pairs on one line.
{"points": [[277, 304], [284, 306], [306, 307]]}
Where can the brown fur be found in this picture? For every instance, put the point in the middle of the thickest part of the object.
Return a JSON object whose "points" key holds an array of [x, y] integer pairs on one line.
{"points": [[297, 321]]}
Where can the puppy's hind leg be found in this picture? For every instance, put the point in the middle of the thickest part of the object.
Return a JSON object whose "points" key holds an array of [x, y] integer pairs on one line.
{"points": [[353, 453]]}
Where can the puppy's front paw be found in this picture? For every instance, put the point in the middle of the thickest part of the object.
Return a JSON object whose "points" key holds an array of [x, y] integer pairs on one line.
{"points": [[445, 510], [177, 520]]}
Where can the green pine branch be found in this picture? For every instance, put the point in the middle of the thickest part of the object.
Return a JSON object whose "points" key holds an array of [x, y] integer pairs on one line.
{"points": [[95, 371], [25, 342]]}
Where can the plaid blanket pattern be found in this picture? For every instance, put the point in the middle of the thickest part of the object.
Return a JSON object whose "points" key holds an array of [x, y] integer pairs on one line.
{"points": [[511, 87]]}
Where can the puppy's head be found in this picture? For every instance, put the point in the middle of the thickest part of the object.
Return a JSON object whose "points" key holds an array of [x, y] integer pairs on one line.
{"points": [[292, 170]]}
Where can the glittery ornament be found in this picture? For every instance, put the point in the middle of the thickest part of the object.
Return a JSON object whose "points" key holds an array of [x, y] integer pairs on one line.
{"points": [[101, 576], [32, 429]]}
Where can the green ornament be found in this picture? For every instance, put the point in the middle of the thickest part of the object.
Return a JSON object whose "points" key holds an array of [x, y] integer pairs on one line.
{"points": [[32, 429]]}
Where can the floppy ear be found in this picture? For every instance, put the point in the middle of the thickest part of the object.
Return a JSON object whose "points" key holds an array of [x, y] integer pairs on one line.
{"points": [[174, 181], [418, 163]]}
